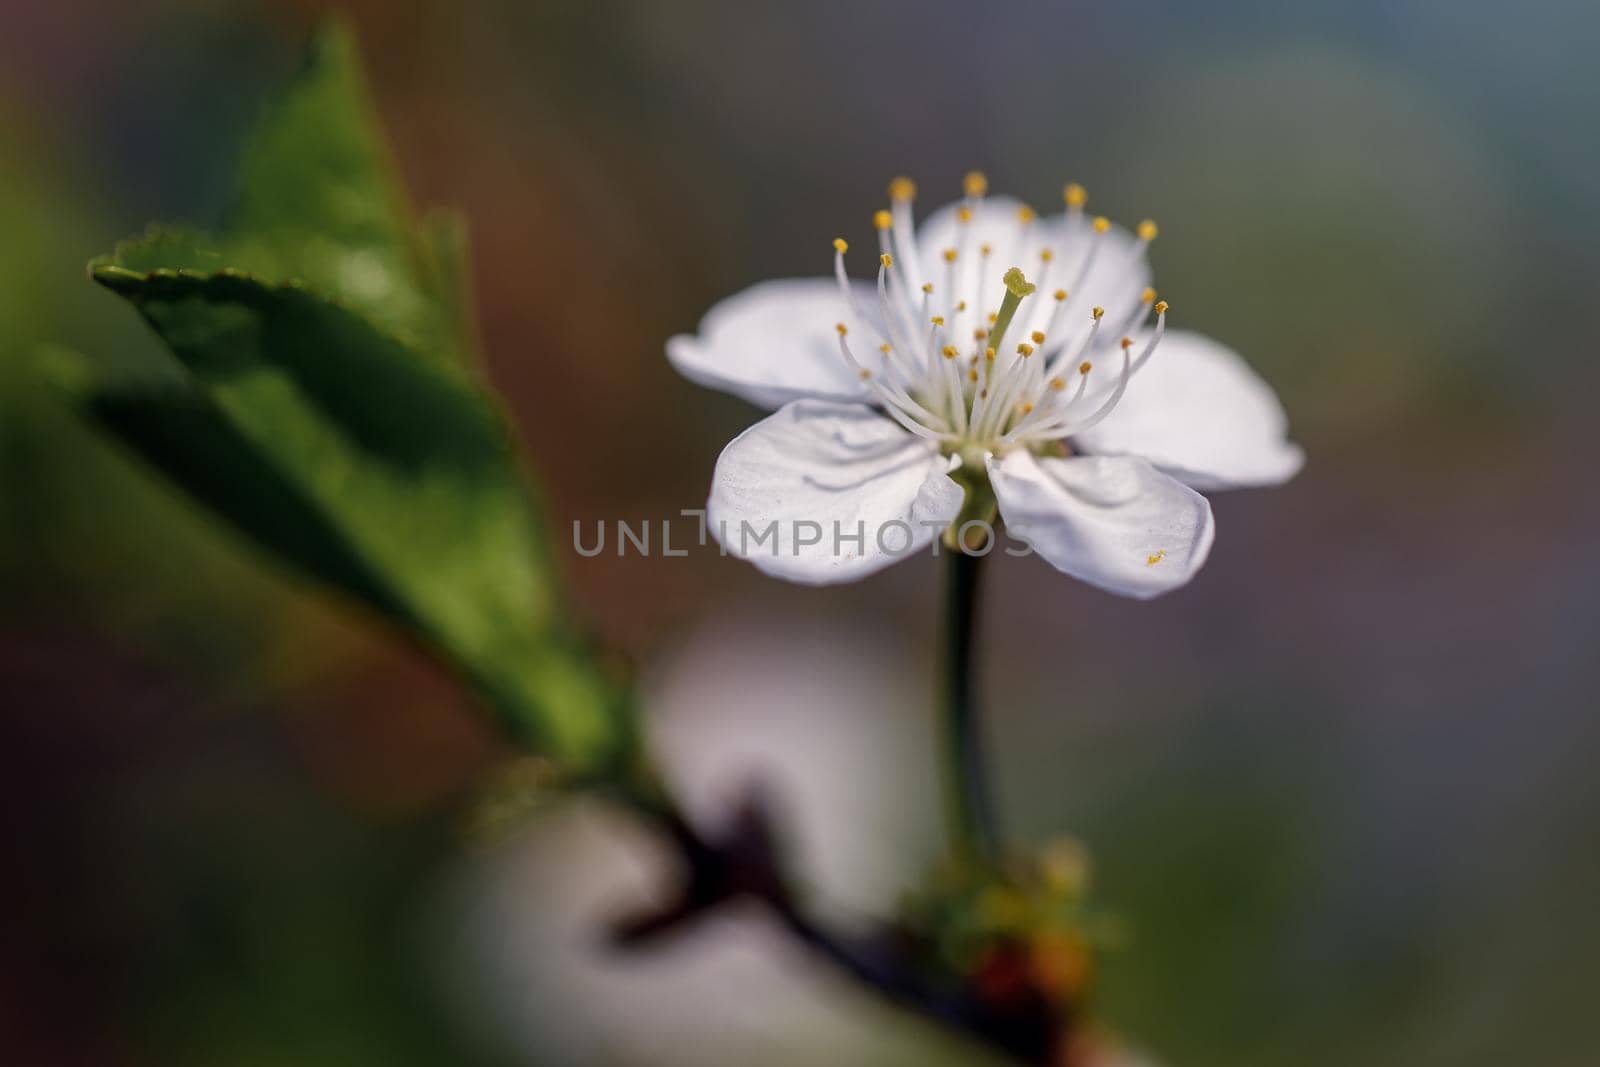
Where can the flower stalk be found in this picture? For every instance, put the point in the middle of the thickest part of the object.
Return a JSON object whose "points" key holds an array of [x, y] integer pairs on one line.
{"points": [[969, 813]]}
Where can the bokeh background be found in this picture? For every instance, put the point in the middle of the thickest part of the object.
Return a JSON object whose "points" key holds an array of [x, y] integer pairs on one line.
{"points": [[1341, 790]]}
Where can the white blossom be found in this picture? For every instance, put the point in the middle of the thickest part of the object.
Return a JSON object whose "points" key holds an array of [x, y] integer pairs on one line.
{"points": [[954, 385]]}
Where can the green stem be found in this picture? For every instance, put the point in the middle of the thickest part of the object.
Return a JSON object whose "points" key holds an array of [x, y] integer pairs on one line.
{"points": [[969, 819]]}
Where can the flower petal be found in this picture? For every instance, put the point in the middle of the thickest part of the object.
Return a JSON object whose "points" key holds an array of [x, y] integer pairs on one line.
{"points": [[1113, 521], [792, 493], [1198, 412], [775, 342], [1114, 279]]}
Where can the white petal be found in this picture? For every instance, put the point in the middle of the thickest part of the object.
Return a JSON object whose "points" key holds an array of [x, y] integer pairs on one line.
{"points": [[1117, 275], [1113, 521], [822, 472], [1198, 412], [775, 342]]}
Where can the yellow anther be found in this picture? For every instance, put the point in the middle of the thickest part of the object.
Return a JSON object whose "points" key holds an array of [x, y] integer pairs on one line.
{"points": [[1101, 224], [1127, 343], [1148, 230], [1155, 557], [992, 317], [840, 245], [985, 249], [902, 190], [1061, 294], [882, 220], [886, 348], [1017, 283], [961, 306], [1085, 367], [979, 334], [927, 287], [972, 375], [841, 328], [1025, 213], [1075, 195], [1161, 307], [1148, 295], [963, 213], [949, 255], [975, 183], [938, 320], [1057, 384], [1046, 255], [1037, 337], [1025, 407], [885, 259], [1097, 313], [865, 374], [1024, 350], [988, 354], [950, 352]]}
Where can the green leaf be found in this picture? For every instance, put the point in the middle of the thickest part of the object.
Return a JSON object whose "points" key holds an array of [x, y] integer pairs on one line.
{"points": [[319, 202], [328, 411], [328, 442]]}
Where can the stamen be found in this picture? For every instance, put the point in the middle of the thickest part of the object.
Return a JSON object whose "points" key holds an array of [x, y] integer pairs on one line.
{"points": [[1150, 346], [1025, 214], [963, 213], [1076, 196], [896, 404], [886, 260], [882, 220], [902, 191], [953, 388], [1101, 226], [1062, 359], [949, 255], [975, 184], [1037, 337], [1147, 231], [840, 245]]}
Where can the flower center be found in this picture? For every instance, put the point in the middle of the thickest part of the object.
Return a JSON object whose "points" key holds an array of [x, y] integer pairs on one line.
{"points": [[945, 368]]}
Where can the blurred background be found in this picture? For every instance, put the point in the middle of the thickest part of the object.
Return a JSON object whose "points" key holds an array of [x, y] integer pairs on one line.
{"points": [[1341, 790]]}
